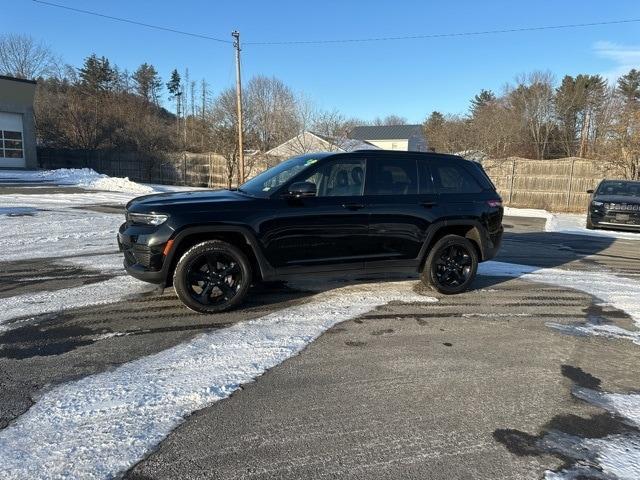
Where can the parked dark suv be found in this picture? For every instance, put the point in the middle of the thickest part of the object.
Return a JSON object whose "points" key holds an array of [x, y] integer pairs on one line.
{"points": [[615, 204], [316, 215]]}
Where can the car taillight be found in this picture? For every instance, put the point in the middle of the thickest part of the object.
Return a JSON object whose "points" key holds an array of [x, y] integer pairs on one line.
{"points": [[494, 203]]}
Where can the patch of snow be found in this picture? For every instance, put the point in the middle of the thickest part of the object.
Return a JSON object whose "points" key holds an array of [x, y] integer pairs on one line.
{"points": [[108, 291], [624, 405], [526, 212], [614, 457], [131, 409], [58, 233], [619, 292], [105, 263], [610, 457]]}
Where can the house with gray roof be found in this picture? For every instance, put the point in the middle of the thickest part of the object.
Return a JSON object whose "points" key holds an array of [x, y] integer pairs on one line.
{"points": [[392, 137], [307, 142]]}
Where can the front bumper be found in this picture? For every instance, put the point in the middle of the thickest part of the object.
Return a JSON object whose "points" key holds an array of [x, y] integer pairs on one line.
{"points": [[623, 220], [143, 259]]}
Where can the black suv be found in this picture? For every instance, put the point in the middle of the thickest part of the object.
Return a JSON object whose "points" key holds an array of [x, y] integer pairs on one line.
{"points": [[320, 214], [615, 204]]}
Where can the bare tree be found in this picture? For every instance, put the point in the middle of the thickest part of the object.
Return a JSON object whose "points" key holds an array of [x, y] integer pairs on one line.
{"points": [[390, 120], [533, 100], [22, 56], [271, 112]]}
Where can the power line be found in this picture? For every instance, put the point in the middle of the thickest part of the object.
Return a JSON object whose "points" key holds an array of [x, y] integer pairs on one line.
{"points": [[346, 40], [134, 22], [444, 35]]}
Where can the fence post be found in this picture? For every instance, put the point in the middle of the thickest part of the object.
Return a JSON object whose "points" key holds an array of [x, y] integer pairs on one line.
{"points": [[184, 169], [573, 162], [513, 174]]}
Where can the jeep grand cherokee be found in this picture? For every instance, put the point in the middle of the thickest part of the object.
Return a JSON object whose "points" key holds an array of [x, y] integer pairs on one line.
{"points": [[318, 214]]}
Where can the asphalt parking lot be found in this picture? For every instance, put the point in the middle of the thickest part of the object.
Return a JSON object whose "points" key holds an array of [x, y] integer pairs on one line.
{"points": [[467, 387]]}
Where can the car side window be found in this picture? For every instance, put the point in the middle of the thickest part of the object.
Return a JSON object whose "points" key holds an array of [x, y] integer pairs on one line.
{"points": [[426, 182], [392, 176], [339, 179], [450, 177]]}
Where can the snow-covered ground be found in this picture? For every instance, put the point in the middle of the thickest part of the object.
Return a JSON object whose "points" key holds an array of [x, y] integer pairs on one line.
{"points": [[571, 223], [55, 226]]}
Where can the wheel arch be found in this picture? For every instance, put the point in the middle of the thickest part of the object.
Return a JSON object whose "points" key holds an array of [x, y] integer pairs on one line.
{"points": [[238, 236], [469, 229]]}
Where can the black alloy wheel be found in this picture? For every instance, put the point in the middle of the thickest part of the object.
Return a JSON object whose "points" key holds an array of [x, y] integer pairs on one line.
{"points": [[451, 265], [212, 277]]}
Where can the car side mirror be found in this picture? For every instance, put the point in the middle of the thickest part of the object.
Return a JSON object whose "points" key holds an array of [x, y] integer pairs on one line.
{"points": [[302, 189], [590, 190]]}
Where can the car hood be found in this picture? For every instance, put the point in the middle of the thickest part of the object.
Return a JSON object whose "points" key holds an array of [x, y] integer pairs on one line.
{"points": [[163, 201], [616, 198]]}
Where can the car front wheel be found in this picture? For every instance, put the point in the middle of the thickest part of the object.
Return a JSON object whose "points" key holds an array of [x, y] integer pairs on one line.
{"points": [[451, 265], [212, 277]]}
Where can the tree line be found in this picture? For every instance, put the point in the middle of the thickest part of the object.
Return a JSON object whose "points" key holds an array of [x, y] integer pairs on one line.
{"points": [[582, 116], [101, 106]]}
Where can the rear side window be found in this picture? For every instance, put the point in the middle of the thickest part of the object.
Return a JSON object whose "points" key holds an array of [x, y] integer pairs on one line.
{"points": [[426, 183], [452, 177], [391, 176]]}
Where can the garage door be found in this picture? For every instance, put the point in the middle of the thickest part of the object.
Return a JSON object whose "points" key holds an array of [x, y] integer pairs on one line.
{"points": [[11, 140]]}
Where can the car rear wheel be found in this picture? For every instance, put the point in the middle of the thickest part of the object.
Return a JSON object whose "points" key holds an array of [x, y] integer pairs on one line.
{"points": [[451, 265], [212, 277]]}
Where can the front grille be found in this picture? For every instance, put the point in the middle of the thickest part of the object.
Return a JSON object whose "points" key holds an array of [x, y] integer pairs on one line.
{"points": [[622, 207]]}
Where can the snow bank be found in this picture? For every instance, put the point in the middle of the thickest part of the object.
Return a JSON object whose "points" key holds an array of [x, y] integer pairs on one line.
{"points": [[573, 224], [101, 425], [81, 177]]}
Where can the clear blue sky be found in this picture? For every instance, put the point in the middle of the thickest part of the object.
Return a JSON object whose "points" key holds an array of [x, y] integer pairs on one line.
{"points": [[408, 77]]}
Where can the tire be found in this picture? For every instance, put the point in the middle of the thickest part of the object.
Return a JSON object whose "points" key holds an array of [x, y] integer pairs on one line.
{"points": [[212, 277], [451, 265]]}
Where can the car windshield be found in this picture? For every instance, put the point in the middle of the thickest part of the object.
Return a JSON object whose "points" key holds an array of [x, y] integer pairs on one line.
{"points": [[631, 189], [264, 184]]}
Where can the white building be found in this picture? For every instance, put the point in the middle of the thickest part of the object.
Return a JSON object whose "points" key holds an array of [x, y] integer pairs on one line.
{"points": [[392, 137], [17, 128]]}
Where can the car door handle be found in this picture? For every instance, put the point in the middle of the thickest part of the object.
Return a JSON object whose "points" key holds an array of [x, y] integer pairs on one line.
{"points": [[428, 204], [352, 206]]}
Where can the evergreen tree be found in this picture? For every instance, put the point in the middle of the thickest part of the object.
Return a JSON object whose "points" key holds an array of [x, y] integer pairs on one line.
{"points": [[97, 74], [175, 92], [147, 82], [629, 87], [485, 97]]}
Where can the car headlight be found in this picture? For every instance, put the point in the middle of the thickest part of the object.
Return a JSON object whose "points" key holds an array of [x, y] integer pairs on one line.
{"points": [[147, 218], [597, 204]]}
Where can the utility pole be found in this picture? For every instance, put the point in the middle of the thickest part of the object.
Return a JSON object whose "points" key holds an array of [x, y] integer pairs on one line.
{"points": [[236, 44]]}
